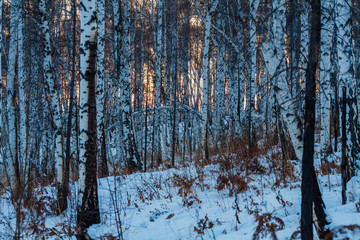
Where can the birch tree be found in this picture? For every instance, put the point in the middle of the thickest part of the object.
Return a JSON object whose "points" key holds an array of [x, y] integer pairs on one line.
{"points": [[346, 70], [221, 65], [292, 45], [132, 158], [88, 209], [206, 18], [115, 82], [158, 57], [100, 90], [273, 51], [250, 58], [185, 11], [55, 107], [72, 136], [325, 87]]}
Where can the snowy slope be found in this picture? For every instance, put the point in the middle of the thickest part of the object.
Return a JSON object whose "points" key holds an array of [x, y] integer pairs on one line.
{"points": [[185, 204]]}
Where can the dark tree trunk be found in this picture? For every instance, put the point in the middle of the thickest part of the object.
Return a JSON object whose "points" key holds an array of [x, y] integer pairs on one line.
{"points": [[65, 188], [146, 131], [309, 125], [174, 118], [344, 175], [335, 114], [319, 215]]}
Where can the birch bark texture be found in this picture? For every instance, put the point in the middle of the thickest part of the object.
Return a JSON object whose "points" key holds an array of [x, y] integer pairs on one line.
{"points": [[274, 56], [100, 90], [132, 159], [206, 74], [88, 209], [158, 58], [55, 108], [324, 85], [115, 82]]}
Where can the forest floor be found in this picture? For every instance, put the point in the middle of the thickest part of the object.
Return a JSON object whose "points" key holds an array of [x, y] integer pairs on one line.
{"points": [[238, 196]]}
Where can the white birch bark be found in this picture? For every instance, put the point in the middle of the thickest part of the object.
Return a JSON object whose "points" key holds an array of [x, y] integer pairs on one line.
{"points": [[304, 49], [115, 82], [55, 104], [271, 103], [205, 83], [100, 84], [88, 36], [205, 74], [274, 57], [128, 136], [158, 58], [325, 88]]}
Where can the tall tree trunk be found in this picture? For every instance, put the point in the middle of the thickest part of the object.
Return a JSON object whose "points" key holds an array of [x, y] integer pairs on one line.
{"points": [[57, 125], [132, 158], [115, 82], [100, 90], [355, 30], [312, 206], [334, 76], [324, 87], [344, 166], [250, 58], [13, 165], [70, 146], [274, 56], [346, 67], [158, 58], [293, 27], [88, 210], [22, 98], [220, 103], [205, 76], [174, 43], [184, 52]]}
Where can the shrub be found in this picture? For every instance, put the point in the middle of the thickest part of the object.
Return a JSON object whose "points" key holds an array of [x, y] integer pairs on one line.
{"points": [[267, 223]]}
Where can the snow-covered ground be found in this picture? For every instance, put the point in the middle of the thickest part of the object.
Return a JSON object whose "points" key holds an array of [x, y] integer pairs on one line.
{"points": [[185, 203]]}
